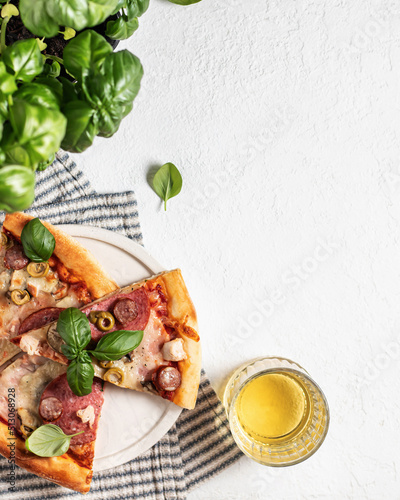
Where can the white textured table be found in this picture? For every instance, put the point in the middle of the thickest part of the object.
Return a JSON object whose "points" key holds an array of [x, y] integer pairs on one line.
{"points": [[283, 117]]}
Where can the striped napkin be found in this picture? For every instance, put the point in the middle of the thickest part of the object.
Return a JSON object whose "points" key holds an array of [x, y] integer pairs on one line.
{"points": [[199, 445]]}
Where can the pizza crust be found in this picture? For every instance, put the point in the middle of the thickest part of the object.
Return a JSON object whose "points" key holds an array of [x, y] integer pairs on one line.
{"points": [[181, 309], [74, 257], [60, 470]]}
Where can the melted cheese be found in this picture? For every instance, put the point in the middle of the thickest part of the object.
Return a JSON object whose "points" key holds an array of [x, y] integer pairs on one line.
{"points": [[69, 301], [30, 389], [5, 278], [18, 280], [11, 376], [47, 284], [22, 280]]}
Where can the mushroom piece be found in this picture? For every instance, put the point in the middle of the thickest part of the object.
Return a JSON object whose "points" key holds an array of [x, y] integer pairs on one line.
{"points": [[173, 350], [29, 344], [54, 339], [87, 415]]}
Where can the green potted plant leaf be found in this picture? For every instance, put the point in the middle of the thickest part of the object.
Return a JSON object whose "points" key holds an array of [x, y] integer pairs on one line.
{"points": [[61, 84]]}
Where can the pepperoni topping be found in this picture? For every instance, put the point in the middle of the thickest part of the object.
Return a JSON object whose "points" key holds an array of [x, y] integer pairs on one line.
{"points": [[168, 378], [131, 310], [50, 409], [15, 258], [69, 421], [125, 310], [39, 319]]}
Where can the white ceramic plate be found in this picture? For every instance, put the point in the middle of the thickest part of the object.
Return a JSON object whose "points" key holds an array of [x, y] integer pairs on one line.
{"points": [[131, 422]]}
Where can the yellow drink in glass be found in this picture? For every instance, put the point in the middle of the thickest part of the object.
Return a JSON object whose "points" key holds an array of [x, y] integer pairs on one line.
{"points": [[272, 407], [277, 413]]}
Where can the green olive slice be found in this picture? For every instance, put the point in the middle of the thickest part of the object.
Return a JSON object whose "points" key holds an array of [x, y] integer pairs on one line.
{"points": [[105, 321], [93, 316], [38, 269], [6, 242], [106, 364], [20, 297], [115, 376]]}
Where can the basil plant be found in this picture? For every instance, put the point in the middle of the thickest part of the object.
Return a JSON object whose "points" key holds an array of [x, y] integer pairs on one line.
{"points": [[48, 102]]}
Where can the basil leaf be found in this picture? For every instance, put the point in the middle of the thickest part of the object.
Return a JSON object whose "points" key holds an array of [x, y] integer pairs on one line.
{"points": [[167, 182], [36, 18], [74, 328], [52, 70], [39, 95], [80, 373], [82, 126], [135, 8], [122, 28], [185, 2], [37, 240], [7, 81], [17, 188], [38, 130], [24, 58], [49, 441], [85, 53], [116, 344], [112, 90]]}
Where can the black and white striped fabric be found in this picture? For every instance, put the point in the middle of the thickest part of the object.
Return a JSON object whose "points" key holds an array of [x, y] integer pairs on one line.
{"points": [[199, 445]]}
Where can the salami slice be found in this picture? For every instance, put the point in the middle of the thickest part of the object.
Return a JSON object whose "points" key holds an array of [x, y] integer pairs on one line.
{"points": [[168, 378], [69, 421], [125, 310], [39, 319], [15, 258], [50, 409], [131, 311]]}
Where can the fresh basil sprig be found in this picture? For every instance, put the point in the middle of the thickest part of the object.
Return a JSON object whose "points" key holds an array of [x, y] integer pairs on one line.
{"points": [[167, 182], [80, 373], [74, 328], [37, 240], [117, 344], [49, 441]]}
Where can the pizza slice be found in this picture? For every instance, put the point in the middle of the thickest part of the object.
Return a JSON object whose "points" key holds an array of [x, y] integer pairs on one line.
{"points": [[33, 292], [33, 392], [167, 361]]}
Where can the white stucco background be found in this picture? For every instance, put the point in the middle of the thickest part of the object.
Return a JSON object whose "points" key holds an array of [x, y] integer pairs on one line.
{"points": [[283, 117]]}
